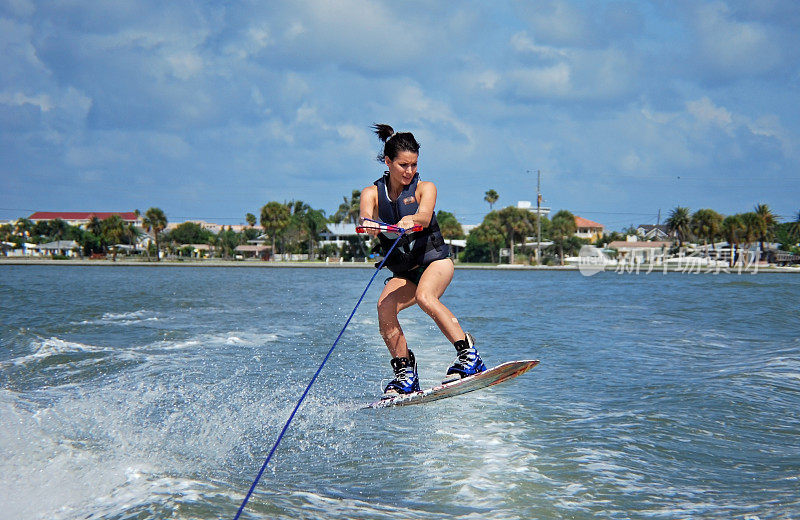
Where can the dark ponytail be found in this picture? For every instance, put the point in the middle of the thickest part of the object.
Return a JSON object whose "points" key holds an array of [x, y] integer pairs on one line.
{"points": [[394, 143]]}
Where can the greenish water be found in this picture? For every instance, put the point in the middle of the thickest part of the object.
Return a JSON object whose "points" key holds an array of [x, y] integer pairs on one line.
{"points": [[133, 392]]}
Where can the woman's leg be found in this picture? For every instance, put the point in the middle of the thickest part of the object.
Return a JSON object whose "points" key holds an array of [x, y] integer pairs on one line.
{"points": [[434, 281], [398, 294]]}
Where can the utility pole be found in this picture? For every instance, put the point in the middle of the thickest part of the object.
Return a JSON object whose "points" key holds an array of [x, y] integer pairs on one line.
{"points": [[538, 217]]}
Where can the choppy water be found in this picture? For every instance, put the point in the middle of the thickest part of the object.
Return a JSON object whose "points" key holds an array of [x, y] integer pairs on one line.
{"points": [[132, 393]]}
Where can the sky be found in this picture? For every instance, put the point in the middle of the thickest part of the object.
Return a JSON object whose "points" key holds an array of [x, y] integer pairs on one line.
{"points": [[209, 110]]}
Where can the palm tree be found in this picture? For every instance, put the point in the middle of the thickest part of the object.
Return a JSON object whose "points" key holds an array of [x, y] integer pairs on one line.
{"points": [[768, 223], [216, 242], [94, 226], [132, 234], [156, 221], [23, 227], [58, 228], [794, 227], [274, 219], [486, 238], [732, 229], [516, 223], [6, 232], [562, 229], [113, 230], [753, 228], [349, 210], [679, 223], [315, 222], [95, 229], [251, 219], [491, 197], [705, 224]]}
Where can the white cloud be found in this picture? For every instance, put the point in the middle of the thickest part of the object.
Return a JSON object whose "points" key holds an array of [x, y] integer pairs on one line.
{"points": [[414, 104], [41, 101], [732, 46], [707, 113], [17, 52], [656, 116], [570, 73], [357, 139], [185, 65], [367, 36], [295, 30], [769, 126], [559, 22], [486, 80], [631, 162], [260, 36], [542, 82], [523, 43], [295, 87]]}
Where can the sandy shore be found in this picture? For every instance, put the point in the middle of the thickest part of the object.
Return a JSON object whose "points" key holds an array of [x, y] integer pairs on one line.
{"points": [[644, 269]]}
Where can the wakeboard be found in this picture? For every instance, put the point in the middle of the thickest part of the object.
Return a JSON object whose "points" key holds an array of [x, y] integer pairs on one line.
{"points": [[489, 377]]}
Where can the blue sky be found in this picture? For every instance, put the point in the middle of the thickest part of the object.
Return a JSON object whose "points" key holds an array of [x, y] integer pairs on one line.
{"points": [[211, 109]]}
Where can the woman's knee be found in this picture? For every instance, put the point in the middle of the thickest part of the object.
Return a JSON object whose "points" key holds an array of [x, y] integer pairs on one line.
{"points": [[387, 307], [426, 301]]}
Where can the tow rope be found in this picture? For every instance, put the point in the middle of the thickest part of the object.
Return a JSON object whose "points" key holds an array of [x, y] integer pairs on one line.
{"points": [[360, 229]]}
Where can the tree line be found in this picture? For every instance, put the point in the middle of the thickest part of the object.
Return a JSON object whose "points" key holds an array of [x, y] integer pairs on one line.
{"points": [[740, 230], [96, 238], [295, 227], [510, 227]]}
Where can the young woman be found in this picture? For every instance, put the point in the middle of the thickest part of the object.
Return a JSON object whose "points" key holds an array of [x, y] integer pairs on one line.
{"points": [[420, 262]]}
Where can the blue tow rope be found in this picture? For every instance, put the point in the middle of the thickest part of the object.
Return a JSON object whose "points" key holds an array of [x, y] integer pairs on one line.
{"points": [[286, 426]]}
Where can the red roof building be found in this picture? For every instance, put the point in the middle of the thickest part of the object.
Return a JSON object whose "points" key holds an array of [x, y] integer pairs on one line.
{"points": [[77, 218], [587, 228]]}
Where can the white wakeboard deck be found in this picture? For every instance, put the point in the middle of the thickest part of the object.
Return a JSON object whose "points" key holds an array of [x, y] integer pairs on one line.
{"points": [[490, 377]]}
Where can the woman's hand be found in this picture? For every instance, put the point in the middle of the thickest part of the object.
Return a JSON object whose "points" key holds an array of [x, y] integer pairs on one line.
{"points": [[406, 222], [370, 228]]}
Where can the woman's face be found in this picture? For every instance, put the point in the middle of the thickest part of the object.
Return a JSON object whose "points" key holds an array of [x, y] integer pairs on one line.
{"points": [[403, 168]]}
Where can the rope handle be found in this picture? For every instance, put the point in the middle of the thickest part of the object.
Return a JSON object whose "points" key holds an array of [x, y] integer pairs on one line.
{"points": [[390, 228]]}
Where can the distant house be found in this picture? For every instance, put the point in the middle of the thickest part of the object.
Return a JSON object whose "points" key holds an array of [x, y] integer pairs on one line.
{"points": [[337, 234], [81, 218], [59, 247], [201, 250], [253, 251], [456, 245], [211, 226], [588, 229], [640, 251], [653, 232]]}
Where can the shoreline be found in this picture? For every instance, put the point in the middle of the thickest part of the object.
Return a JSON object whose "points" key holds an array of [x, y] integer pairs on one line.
{"points": [[642, 269]]}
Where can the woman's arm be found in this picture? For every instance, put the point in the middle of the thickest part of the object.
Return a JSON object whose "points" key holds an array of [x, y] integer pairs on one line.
{"points": [[426, 197], [369, 208]]}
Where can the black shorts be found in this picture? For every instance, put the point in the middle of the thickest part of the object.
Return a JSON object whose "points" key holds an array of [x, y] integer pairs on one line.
{"points": [[412, 275]]}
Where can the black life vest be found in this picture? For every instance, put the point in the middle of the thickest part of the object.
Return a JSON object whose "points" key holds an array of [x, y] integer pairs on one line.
{"points": [[414, 249]]}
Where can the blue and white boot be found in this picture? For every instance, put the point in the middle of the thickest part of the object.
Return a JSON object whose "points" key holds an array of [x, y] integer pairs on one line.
{"points": [[405, 379], [467, 363]]}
